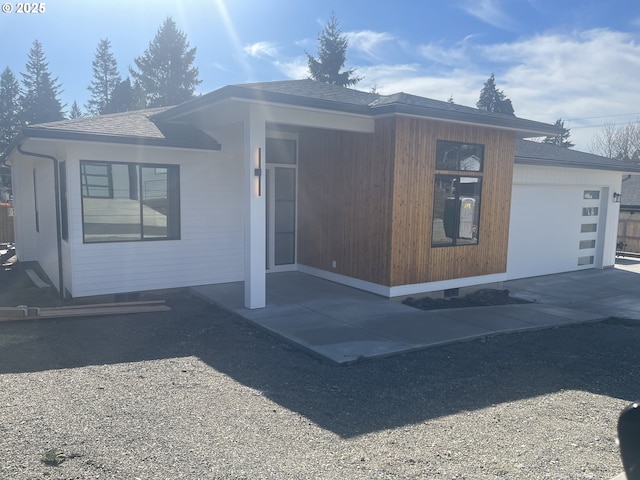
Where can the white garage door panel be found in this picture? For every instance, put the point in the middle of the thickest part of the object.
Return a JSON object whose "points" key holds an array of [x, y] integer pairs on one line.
{"points": [[544, 231]]}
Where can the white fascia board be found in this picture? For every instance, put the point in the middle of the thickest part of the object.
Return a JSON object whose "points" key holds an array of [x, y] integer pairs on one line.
{"points": [[312, 117], [235, 109], [522, 133]]}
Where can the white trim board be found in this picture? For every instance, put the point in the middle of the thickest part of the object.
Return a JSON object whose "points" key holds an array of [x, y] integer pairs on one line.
{"points": [[403, 290]]}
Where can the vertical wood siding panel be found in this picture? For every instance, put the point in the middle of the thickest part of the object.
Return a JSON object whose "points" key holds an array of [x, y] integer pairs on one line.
{"points": [[344, 202], [413, 259], [366, 201]]}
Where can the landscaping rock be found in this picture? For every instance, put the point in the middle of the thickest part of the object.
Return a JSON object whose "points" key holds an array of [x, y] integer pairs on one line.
{"points": [[480, 298]]}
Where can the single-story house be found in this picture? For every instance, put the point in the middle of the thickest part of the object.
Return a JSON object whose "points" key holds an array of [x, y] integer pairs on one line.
{"points": [[394, 194]]}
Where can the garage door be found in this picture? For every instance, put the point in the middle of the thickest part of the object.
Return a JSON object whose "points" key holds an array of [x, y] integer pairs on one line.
{"points": [[553, 229]]}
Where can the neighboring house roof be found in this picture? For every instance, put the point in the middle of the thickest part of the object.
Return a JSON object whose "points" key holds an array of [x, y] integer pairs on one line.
{"points": [[538, 153], [313, 94], [630, 193], [136, 127]]}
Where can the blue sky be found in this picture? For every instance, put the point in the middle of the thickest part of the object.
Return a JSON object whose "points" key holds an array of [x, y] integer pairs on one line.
{"points": [[576, 60]]}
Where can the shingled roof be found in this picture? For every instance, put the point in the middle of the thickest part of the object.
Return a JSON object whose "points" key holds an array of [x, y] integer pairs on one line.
{"points": [[537, 153], [313, 94], [630, 193], [136, 127]]}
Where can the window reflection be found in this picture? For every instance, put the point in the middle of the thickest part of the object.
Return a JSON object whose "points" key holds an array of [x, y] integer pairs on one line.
{"points": [[127, 202], [456, 156], [456, 210]]}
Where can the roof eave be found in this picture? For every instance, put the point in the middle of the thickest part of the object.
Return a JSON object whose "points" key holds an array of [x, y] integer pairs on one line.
{"points": [[6, 153], [232, 92], [559, 163], [526, 128], [31, 132]]}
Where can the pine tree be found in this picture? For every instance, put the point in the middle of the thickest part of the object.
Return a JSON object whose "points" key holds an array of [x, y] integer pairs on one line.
{"points": [[332, 54], [105, 78], [562, 139], [166, 74], [40, 96], [494, 100], [122, 98], [75, 111], [9, 108]]}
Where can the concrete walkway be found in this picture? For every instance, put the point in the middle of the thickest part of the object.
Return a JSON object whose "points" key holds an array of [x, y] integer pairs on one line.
{"points": [[343, 324]]}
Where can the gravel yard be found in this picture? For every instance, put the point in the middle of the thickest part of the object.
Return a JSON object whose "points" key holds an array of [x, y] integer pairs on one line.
{"points": [[196, 393]]}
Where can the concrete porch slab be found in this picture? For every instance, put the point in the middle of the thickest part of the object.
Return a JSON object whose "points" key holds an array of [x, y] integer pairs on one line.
{"points": [[343, 324]]}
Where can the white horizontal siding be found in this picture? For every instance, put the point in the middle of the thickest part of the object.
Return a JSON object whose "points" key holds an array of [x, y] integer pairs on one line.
{"points": [[211, 244], [36, 244], [534, 175], [24, 210]]}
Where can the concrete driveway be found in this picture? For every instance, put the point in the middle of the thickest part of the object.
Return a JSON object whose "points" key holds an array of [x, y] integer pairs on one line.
{"points": [[342, 324]]}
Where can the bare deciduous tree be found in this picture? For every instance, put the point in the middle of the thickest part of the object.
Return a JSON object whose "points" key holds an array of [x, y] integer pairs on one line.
{"points": [[618, 141]]}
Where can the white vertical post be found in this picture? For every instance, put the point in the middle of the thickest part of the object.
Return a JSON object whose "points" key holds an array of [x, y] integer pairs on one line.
{"points": [[608, 226], [255, 211]]}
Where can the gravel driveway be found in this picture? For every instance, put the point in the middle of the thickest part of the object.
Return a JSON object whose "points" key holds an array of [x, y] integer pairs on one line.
{"points": [[196, 393]]}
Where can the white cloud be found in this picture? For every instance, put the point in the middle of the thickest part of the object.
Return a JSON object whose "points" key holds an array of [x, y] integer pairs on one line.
{"points": [[295, 68], [572, 76], [368, 41], [440, 54], [489, 11], [575, 76], [261, 49]]}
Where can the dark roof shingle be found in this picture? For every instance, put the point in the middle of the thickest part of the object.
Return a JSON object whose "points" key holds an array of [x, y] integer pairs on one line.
{"points": [[313, 94], [135, 127], [630, 192], [538, 153]]}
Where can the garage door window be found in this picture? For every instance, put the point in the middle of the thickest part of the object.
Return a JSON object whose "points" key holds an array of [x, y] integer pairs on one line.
{"points": [[586, 260], [585, 244], [588, 227], [591, 194]]}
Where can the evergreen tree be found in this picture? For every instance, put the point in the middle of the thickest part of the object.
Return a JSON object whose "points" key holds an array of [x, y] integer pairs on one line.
{"points": [[105, 78], [562, 139], [332, 54], [40, 96], [9, 108], [166, 74], [75, 111], [494, 100], [123, 98]]}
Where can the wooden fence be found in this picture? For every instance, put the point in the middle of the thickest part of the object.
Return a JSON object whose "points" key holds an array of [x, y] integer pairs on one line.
{"points": [[629, 231], [6, 223]]}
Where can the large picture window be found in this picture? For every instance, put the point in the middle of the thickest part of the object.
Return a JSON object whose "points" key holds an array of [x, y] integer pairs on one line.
{"points": [[456, 210], [129, 202]]}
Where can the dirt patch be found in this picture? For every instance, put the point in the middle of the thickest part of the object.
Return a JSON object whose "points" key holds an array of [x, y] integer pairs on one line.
{"points": [[16, 288], [481, 298]]}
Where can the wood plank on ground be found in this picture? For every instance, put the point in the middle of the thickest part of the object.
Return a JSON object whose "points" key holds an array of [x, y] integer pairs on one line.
{"points": [[119, 308]]}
